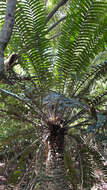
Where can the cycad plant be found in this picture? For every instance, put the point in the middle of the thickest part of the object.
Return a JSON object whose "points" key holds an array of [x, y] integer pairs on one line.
{"points": [[56, 89]]}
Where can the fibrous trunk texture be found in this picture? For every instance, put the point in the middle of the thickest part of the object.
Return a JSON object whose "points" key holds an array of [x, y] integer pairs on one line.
{"points": [[54, 146]]}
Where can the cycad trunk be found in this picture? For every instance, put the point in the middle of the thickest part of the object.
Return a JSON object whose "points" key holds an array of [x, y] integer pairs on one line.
{"points": [[54, 146]]}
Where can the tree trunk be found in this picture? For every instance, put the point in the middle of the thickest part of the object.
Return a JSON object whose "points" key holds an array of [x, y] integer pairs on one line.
{"points": [[54, 147], [6, 31]]}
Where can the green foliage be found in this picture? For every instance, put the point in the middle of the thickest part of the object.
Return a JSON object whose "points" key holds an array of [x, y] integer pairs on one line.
{"points": [[29, 32], [94, 73], [2, 11], [18, 146], [82, 37], [72, 82], [82, 161]]}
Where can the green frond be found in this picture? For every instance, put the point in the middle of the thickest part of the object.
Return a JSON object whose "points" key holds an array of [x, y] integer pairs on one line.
{"points": [[82, 36], [98, 99], [2, 11], [93, 73], [29, 32], [84, 155]]}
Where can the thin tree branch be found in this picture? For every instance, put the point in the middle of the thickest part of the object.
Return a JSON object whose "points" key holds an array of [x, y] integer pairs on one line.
{"points": [[6, 32], [55, 36], [14, 95], [58, 5], [54, 25]]}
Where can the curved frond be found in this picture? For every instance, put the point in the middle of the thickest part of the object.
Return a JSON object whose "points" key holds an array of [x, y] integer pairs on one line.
{"points": [[84, 154], [82, 36], [29, 31], [98, 99], [96, 71]]}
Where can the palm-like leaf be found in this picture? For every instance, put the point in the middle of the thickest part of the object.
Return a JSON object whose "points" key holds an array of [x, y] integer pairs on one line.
{"points": [[93, 73], [84, 156], [29, 31], [2, 8], [81, 37]]}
